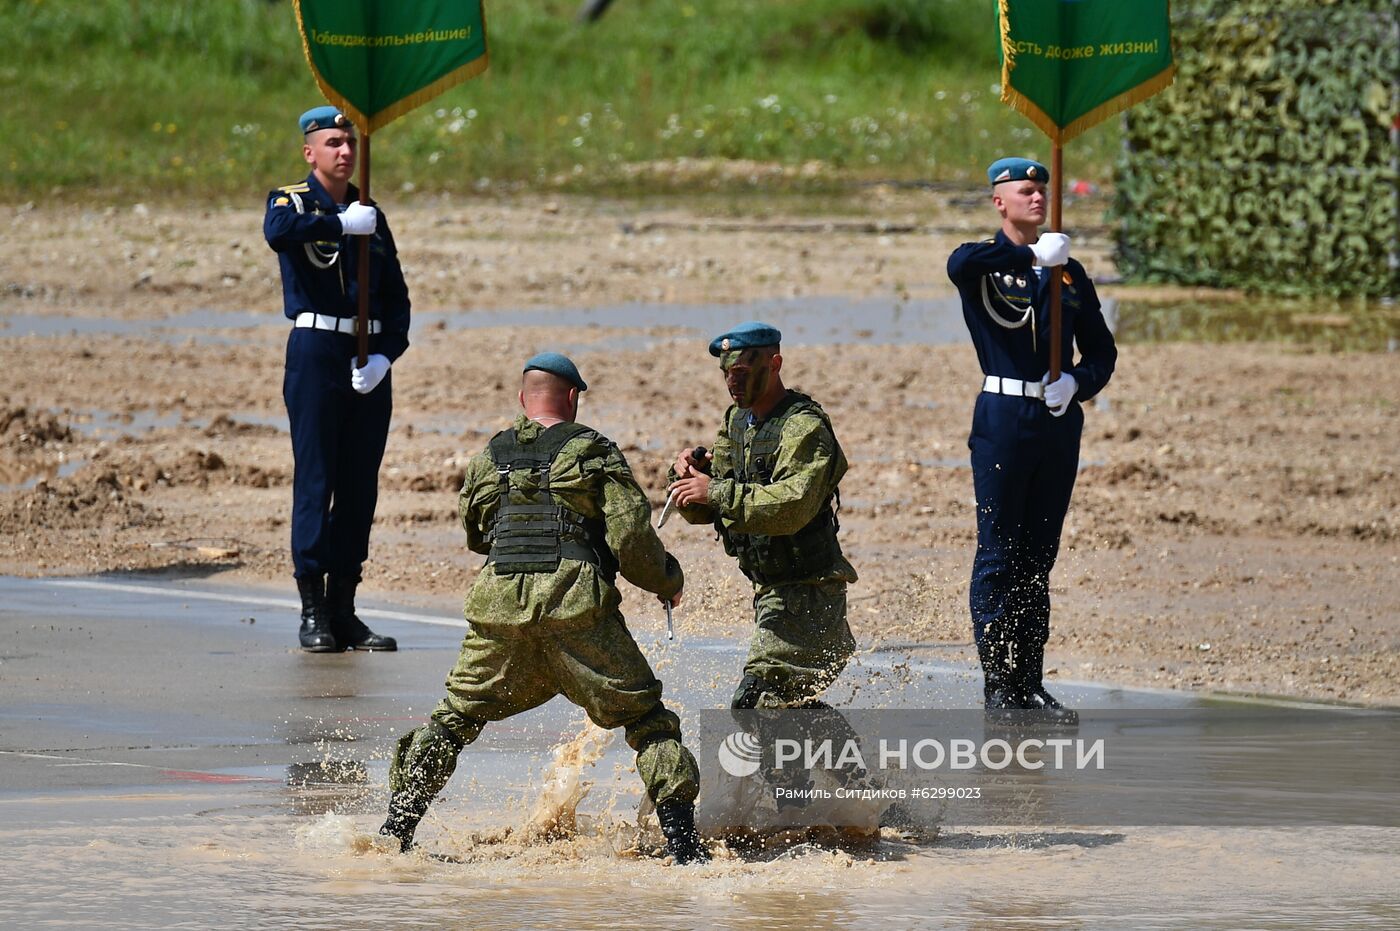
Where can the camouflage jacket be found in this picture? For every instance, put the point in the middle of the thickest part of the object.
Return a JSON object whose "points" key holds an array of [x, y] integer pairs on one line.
{"points": [[807, 469], [592, 478]]}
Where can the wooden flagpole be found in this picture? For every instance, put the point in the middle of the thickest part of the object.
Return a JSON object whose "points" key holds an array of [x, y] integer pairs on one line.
{"points": [[362, 319], [1056, 201]]}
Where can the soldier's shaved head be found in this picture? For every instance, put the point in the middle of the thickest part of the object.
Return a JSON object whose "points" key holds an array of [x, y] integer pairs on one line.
{"points": [[536, 382], [546, 396]]}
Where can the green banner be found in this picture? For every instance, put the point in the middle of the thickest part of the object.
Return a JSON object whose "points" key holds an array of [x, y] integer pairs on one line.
{"points": [[378, 59], [1070, 64]]}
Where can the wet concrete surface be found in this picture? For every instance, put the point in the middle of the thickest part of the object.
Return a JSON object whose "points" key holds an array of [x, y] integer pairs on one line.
{"points": [[169, 758], [152, 683]]}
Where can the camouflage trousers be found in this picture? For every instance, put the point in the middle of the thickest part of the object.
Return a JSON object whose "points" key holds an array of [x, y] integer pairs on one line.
{"points": [[801, 644], [503, 672]]}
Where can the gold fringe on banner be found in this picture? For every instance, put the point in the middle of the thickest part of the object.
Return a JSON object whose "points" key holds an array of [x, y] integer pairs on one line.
{"points": [[419, 97], [1008, 48], [468, 71], [1058, 134], [1120, 103]]}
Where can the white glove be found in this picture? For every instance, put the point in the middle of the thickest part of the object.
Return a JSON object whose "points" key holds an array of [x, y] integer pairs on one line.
{"points": [[361, 219], [1051, 249], [1059, 393], [365, 380]]}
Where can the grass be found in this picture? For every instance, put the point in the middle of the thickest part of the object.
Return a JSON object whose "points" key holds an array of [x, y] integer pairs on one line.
{"points": [[124, 98]]}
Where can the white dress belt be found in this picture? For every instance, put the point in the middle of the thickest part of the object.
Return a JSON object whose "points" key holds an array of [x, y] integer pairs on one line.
{"points": [[338, 324], [1013, 386]]}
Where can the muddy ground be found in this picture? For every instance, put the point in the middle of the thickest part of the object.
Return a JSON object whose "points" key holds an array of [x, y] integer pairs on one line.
{"points": [[1234, 526]]}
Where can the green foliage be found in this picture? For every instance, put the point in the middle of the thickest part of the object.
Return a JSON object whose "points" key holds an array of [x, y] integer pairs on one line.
{"points": [[1269, 164], [189, 98]]}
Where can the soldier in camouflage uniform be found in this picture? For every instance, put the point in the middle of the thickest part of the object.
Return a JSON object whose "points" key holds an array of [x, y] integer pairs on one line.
{"points": [[769, 487], [556, 509]]}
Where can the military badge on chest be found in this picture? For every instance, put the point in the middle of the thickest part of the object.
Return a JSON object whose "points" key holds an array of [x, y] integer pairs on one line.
{"points": [[1009, 300], [1070, 296]]}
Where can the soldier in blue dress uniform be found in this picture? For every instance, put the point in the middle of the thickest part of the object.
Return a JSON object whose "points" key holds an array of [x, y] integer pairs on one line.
{"points": [[339, 412], [1025, 431]]}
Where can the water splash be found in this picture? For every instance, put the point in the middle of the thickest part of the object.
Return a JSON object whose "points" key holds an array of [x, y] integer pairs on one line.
{"points": [[556, 812]]}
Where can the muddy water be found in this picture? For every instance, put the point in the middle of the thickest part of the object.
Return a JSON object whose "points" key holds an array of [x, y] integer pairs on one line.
{"points": [[821, 320], [808, 321], [213, 860], [160, 766]]}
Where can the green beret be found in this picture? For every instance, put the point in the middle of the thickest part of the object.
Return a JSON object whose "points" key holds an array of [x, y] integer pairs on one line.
{"points": [[746, 336], [323, 118], [556, 364], [1017, 169]]}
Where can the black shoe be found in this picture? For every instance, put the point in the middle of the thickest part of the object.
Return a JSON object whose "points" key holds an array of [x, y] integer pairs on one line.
{"points": [[683, 842], [350, 631], [1048, 709], [1001, 699], [403, 820], [1037, 708], [315, 634], [1002, 705]]}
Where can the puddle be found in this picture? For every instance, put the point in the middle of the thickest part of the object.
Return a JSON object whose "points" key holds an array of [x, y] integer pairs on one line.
{"points": [[827, 320], [803, 321], [1335, 325], [170, 329], [110, 425], [24, 480], [249, 784]]}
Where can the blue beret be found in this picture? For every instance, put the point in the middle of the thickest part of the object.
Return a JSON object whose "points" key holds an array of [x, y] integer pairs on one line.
{"points": [[556, 364], [323, 118], [746, 336], [1017, 169]]}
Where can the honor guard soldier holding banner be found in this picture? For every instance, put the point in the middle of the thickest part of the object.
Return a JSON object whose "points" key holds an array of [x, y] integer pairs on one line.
{"points": [[769, 487], [555, 508], [1025, 432], [338, 412]]}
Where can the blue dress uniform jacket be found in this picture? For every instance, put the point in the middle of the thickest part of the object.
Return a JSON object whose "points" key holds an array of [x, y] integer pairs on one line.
{"points": [[1024, 459], [320, 265], [338, 435]]}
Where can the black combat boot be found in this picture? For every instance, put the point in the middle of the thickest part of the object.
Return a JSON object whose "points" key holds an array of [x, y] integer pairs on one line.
{"points": [[316, 634], [683, 842], [999, 695], [405, 811], [1048, 710], [1043, 707], [748, 694], [350, 631]]}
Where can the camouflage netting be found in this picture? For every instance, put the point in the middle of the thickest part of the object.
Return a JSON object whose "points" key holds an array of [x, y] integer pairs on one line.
{"points": [[1271, 163]]}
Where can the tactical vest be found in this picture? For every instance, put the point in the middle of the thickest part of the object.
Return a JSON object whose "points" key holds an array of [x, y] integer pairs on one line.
{"points": [[532, 531], [772, 560]]}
